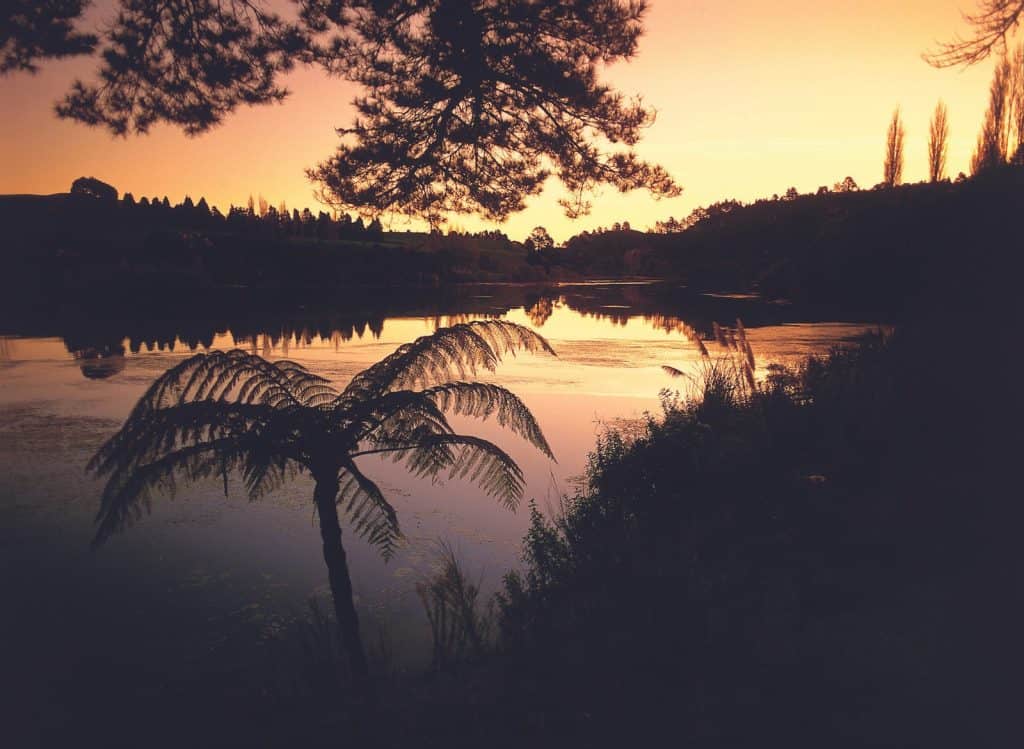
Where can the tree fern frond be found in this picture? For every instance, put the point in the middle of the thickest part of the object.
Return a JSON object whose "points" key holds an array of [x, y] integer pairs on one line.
{"points": [[234, 375], [234, 411], [481, 400], [370, 514], [147, 435], [127, 491], [394, 418], [265, 471], [470, 458], [459, 351]]}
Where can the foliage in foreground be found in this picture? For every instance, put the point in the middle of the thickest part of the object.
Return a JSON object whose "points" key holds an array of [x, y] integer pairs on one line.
{"points": [[737, 570]]}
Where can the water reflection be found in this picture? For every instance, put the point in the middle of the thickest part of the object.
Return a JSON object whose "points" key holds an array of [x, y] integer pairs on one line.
{"points": [[99, 363], [70, 374], [100, 336], [70, 379]]}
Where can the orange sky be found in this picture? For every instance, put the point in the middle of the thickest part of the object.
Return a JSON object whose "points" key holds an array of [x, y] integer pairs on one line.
{"points": [[752, 97]]}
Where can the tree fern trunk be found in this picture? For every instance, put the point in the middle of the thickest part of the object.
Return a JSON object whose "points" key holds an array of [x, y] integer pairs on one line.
{"points": [[341, 586]]}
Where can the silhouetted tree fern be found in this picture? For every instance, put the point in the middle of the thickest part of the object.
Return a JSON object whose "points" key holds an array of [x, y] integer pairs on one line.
{"points": [[234, 411]]}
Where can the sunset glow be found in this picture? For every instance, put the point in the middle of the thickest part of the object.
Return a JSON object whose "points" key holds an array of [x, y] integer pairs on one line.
{"points": [[752, 98]]}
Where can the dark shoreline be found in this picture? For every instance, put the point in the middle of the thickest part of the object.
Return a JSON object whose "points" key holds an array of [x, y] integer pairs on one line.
{"points": [[101, 321], [867, 254]]}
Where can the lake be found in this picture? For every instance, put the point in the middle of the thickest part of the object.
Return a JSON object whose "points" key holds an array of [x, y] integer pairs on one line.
{"points": [[201, 589]]}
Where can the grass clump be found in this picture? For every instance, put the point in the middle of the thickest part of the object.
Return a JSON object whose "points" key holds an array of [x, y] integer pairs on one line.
{"points": [[460, 623]]}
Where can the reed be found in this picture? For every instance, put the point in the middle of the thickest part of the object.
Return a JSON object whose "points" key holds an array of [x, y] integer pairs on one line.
{"points": [[460, 625], [722, 382]]}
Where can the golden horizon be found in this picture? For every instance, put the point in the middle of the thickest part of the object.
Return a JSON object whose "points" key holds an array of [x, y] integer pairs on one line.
{"points": [[751, 100]]}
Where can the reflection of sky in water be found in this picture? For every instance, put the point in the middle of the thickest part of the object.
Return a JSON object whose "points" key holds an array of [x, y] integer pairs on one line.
{"points": [[251, 562]]}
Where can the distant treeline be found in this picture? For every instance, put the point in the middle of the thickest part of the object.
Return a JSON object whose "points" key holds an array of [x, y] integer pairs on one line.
{"points": [[845, 246], [88, 238], [258, 219], [255, 219]]}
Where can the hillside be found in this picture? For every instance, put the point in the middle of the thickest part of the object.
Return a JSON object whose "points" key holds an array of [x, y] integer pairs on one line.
{"points": [[877, 246]]}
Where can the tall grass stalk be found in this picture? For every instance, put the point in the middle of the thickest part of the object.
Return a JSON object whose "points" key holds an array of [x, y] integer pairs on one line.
{"points": [[460, 627]]}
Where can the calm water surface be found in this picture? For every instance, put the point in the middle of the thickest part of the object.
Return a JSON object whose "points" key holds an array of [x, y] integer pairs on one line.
{"points": [[203, 582]]}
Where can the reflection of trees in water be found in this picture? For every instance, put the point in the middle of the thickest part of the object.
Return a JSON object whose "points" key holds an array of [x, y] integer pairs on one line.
{"points": [[267, 337], [169, 343], [267, 343], [673, 309], [539, 310], [196, 335], [671, 324], [446, 321], [619, 310], [615, 316], [284, 339], [100, 363], [276, 326], [303, 334], [694, 317]]}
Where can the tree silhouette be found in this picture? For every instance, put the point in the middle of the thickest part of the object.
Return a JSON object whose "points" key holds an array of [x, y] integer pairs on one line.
{"points": [[539, 240], [185, 62], [93, 188], [234, 411], [892, 168], [991, 150], [848, 184], [471, 106], [34, 30], [468, 107], [671, 226], [938, 143], [993, 23], [1016, 106]]}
